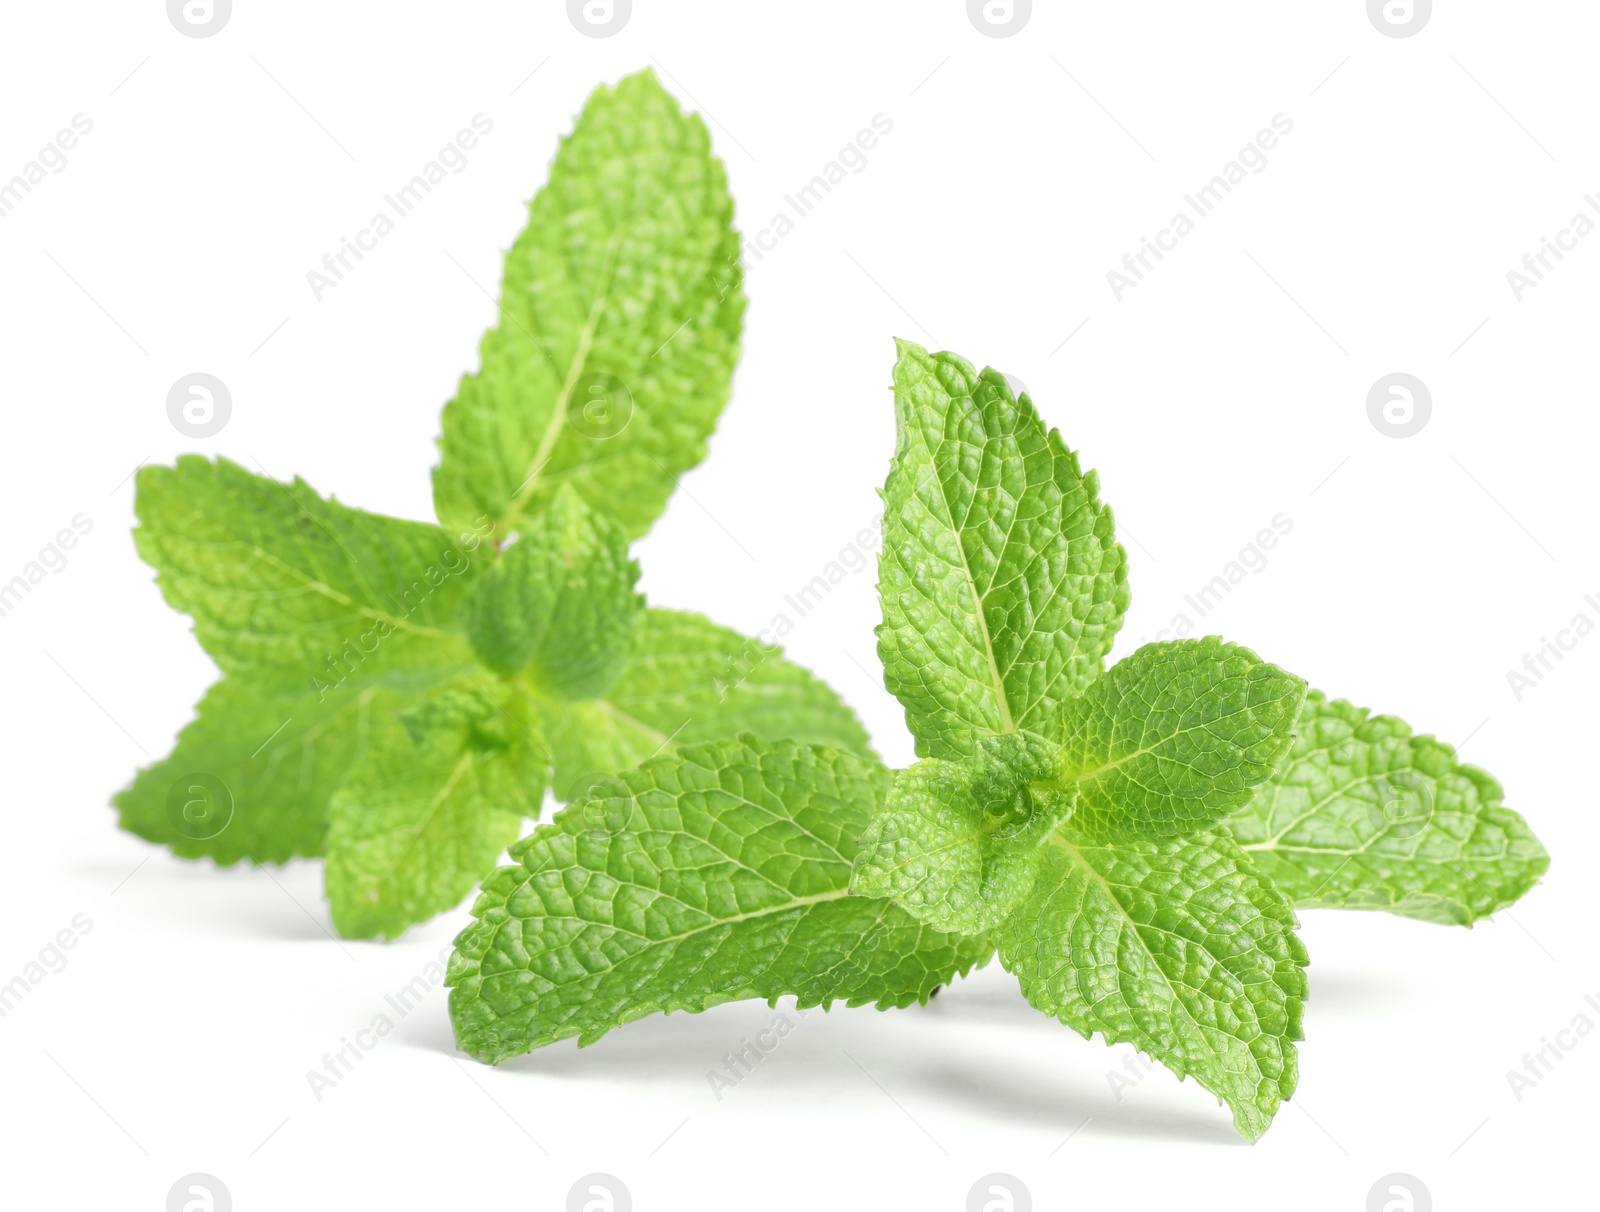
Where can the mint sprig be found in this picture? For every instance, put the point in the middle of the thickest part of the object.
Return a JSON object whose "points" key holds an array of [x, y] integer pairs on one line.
{"points": [[397, 696], [1107, 869], [1117, 835]]}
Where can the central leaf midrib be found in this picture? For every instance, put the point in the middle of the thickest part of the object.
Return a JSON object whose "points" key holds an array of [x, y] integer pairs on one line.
{"points": [[334, 595], [466, 762], [1144, 750], [799, 902], [1007, 724], [611, 708], [558, 413], [1075, 856]]}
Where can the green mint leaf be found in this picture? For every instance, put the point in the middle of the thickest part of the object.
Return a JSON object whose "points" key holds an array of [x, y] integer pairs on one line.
{"points": [[278, 751], [560, 603], [423, 816], [1176, 737], [957, 844], [324, 619], [276, 577], [1179, 948], [1002, 581], [620, 315], [715, 873], [691, 680], [1364, 815]]}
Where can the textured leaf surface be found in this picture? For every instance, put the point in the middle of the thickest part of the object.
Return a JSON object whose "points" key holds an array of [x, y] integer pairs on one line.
{"points": [[691, 680], [278, 750], [716, 873], [1364, 815], [278, 578], [1179, 948], [560, 603], [1176, 736], [620, 314], [957, 844], [426, 812], [1001, 579]]}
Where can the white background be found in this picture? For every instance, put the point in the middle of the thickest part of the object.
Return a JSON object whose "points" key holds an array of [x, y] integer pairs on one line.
{"points": [[1229, 387]]}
